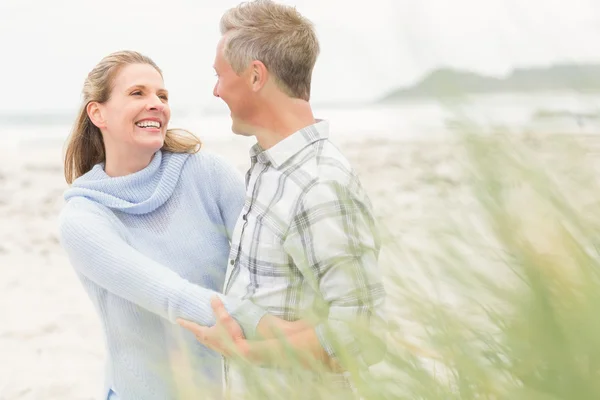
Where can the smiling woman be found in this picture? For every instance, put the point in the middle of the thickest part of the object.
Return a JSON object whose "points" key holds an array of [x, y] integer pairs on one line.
{"points": [[134, 119], [146, 227], [125, 111]]}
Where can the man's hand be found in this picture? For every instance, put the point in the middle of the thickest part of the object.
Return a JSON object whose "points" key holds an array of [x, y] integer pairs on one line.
{"points": [[225, 337], [280, 336]]}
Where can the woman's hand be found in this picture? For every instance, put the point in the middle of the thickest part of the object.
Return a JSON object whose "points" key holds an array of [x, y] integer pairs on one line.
{"points": [[227, 338]]}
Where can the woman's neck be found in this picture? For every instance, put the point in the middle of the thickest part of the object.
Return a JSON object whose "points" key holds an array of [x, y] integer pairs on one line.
{"points": [[125, 164]]}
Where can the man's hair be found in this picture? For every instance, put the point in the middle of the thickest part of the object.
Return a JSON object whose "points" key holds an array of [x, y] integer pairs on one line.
{"points": [[278, 36]]}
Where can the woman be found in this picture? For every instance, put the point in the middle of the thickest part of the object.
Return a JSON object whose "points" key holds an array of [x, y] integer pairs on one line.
{"points": [[146, 227]]}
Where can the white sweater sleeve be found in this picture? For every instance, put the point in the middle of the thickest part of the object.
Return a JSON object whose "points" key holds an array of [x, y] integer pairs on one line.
{"points": [[99, 252]]}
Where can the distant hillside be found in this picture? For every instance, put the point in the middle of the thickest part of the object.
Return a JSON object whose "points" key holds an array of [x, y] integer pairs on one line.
{"points": [[448, 82]]}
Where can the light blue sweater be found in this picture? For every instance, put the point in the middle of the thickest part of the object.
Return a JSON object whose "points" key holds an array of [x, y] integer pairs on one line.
{"points": [[149, 248]]}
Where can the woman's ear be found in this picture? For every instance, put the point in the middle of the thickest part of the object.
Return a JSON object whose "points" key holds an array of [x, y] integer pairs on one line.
{"points": [[94, 112]]}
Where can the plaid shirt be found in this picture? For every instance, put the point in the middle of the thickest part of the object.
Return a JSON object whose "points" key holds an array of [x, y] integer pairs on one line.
{"points": [[306, 241]]}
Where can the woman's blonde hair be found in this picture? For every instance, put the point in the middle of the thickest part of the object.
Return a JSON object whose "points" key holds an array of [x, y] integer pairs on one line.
{"points": [[278, 36], [85, 147]]}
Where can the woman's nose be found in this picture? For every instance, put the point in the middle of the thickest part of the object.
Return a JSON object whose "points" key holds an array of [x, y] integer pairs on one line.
{"points": [[155, 103]]}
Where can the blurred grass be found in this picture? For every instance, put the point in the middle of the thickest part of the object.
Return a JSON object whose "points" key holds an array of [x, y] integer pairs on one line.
{"points": [[504, 303]]}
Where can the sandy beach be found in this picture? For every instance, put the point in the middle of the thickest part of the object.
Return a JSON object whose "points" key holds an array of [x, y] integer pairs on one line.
{"points": [[50, 338]]}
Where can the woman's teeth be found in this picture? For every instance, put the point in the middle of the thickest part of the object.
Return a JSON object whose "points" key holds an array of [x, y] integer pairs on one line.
{"points": [[148, 124]]}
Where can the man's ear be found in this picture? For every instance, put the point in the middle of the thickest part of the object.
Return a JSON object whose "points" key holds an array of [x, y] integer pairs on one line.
{"points": [[94, 112], [259, 75]]}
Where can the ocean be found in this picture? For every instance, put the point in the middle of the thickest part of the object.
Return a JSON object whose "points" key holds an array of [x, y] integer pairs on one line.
{"points": [[551, 113]]}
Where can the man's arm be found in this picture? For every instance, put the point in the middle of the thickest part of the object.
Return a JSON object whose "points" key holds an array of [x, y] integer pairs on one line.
{"points": [[280, 337], [333, 242], [302, 344]]}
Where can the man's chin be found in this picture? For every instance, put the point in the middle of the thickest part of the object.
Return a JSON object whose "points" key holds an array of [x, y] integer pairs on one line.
{"points": [[241, 133], [239, 130]]}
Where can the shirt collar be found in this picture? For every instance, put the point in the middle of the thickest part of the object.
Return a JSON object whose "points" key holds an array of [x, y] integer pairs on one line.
{"points": [[291, 145]]}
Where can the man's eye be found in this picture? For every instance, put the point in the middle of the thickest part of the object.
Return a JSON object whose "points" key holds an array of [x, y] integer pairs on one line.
{"points": [[164, 97], [136, 93]]}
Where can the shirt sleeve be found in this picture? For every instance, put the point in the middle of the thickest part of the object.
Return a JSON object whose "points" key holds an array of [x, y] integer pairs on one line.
{"points": [[99, 251], [333, 242]]}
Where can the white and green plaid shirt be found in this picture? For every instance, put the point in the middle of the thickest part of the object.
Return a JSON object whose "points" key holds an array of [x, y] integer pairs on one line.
{"points": [[306, 239]]}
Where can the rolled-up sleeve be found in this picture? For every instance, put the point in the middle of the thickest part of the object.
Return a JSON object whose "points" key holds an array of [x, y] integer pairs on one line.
{"points": [[334, 243]]}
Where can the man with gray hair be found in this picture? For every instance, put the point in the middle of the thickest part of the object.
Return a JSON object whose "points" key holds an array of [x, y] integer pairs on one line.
{"points": [[306, 242]]}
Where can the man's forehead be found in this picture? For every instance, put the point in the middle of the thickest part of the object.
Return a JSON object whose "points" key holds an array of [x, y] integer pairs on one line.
{"points": [[221, 43], [220, 51]]}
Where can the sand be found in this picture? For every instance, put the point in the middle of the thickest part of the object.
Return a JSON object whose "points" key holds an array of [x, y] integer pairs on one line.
{"points": [[50, 338]]}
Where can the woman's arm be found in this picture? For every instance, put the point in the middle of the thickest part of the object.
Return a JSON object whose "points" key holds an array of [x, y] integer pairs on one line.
{"points": [[99, 252], [280, 338], [231, 192]]}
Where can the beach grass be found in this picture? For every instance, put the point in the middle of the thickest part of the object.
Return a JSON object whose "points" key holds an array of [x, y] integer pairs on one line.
{"points": [[504, 303]]}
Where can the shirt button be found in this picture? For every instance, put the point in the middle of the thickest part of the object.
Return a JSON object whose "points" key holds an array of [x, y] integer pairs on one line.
{"points": [[245, 217], [231, 262]]}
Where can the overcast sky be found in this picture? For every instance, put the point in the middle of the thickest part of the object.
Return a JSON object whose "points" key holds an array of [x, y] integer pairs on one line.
{"points": [[368, 46]]}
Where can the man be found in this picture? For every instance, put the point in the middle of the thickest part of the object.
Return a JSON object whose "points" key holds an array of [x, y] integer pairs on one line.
{"points": [[305, 243]]}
